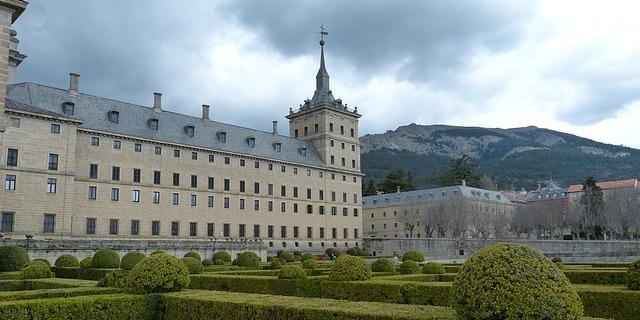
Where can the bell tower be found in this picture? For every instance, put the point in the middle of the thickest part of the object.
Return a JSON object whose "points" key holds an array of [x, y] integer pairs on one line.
{"points": [[328, 123]]}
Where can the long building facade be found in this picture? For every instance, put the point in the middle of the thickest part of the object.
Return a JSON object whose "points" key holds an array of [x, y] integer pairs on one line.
{"points": [[78, 166]]}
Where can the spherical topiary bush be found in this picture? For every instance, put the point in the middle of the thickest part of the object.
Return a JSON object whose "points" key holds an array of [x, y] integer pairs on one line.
{"points": [[157, 252], [633, 276], [288, 257], [409, 267], [218, 262], [86, 262], [433, 268], [353, 251], [333, 252], [106, 259], [207, 262], [159, 273], [67, 261], [307, 256], [383, 265], [13, 258], [276, 263], [36, 270], [193, 254], [248, 259], [292, 272], [131, 259], [350, 268], [510, 281], [194, 265], [413, 255], [222, 255], [310, 264], [43, 260]]}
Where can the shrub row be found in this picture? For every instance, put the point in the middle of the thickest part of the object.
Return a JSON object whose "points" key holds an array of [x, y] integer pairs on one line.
{"points": [[610, 303], [54, 293], [596, 277], [18, 285], [81, 273]]}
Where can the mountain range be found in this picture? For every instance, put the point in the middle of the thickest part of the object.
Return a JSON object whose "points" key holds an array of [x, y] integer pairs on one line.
{"points": [[514, 158]]}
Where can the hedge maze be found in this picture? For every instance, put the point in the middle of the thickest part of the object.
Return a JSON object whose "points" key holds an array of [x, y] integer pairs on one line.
{"points": [[165, 287]]}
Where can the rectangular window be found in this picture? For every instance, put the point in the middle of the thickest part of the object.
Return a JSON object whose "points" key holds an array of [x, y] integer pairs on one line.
{"points": [[333, 196], [53, 161], [341, 129], [334, 233], [283, 207], [295, 232], [135, 227], [227, 185], [333, 160], [175, 228], [49, 223], [155, 228], [226, 229], [95, 141], [270, 206], [356, 235], [334, 211], [227, 160], [115, 173], [270, 167], [241, 230], [55, 128], [7, 222], [115, 194], [344, 197], [194, 156], [345, 233], [210, 201], [135, 195], [176, 179], [194, 181], [93, 190], [210, 230], [210, 183], [256, 164], [212, 158], [309, 209], [320, 194], [355, 198], [242, 186], [156, 177], [256, 205], [91, 225], [156, 197], [256, 188], [242, 162], [270, 231], [295, 208], [194, 200], [295, 192], [52, 185], [241, 204], [137, 147], [117, 144], [256, 231], [330, 127], [321, 210], [321, 232], [283, 232], [353, 163], [157, 150], [355, 212], [270, 189], [226, 202], [308, 193], [193, 229], [283, 169], [345, 212], [176, 153], [309, 232], [12, 157], [283, 191], [136, 175], [10, 182]]}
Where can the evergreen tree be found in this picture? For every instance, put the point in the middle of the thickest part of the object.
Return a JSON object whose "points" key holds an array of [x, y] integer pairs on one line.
{"points": [[395, 179], [369, 189], [462, 168], [592, 221], [487, 183]]}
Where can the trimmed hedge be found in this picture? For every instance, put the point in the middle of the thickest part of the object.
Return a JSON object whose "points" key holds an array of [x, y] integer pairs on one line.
{"points": [[222, 255], [86, 262], [227, 305], [610, 302], [207, 262], [413, 255], [247, 259], [159, 273], [633, 276], [36, 270], [104, 307], [81, 273], [383, 265], [106, 259], [433, 268], [350, 268], [193, 254], [276, 263], [310, 264], [67, 261], [54, 293], [193, 265], [51, 283], [13, 258], [130, 260], [307, 256], [596, 277], [43, 260], [115, 279], [292, 272], [409, 267]]}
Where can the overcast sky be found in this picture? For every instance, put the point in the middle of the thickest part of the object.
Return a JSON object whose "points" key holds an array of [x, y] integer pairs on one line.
{"points": [[571, 66]]}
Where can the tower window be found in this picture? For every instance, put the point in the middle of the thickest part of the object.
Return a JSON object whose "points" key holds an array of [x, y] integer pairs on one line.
{"points": [[330, 127], [315, 128], [353, 133]]}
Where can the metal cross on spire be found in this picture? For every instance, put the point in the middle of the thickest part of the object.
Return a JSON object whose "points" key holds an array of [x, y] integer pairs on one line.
{"points": [[322, 34]]}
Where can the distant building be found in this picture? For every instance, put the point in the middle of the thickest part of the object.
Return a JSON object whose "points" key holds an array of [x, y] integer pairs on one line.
{"points": [[543, 213], [451, 212]]}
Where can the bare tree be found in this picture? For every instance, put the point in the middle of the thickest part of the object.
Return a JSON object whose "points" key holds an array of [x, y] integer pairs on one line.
{"points": [[409, 224], [441, 218]]}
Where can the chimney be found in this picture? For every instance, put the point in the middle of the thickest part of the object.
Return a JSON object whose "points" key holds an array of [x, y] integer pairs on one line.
{"points": [[275, 127], [205, 112], [74, 82], [464, 182], [157, 102], [398, 189]]}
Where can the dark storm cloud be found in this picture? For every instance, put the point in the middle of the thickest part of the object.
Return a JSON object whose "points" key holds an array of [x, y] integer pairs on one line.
{"points": [[433, 37]]}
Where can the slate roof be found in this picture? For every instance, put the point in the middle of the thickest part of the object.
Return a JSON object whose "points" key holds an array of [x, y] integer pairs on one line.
{"points": [[19, 106], [436, 194], [92, 110], [615, 184]]}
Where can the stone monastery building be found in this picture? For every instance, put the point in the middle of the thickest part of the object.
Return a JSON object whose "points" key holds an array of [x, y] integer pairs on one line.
{"points": [[78, 166]]}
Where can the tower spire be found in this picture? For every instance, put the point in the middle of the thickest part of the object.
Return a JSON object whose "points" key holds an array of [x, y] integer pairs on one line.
{"points": [[323, 91]]}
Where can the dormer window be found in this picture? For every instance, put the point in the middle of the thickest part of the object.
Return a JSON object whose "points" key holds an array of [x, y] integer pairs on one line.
{"points": [[303, 152], [153, 124], [222, 136], [68, 108], [189, 130], [251, 142], [277, 146], [113, 116]]}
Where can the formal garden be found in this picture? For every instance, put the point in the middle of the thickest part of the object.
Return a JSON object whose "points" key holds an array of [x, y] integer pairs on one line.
{"points": [[503, 281]]}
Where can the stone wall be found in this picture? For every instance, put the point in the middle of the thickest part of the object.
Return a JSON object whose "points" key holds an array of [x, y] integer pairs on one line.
{"points": [[453, 250], [52, 249]]}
